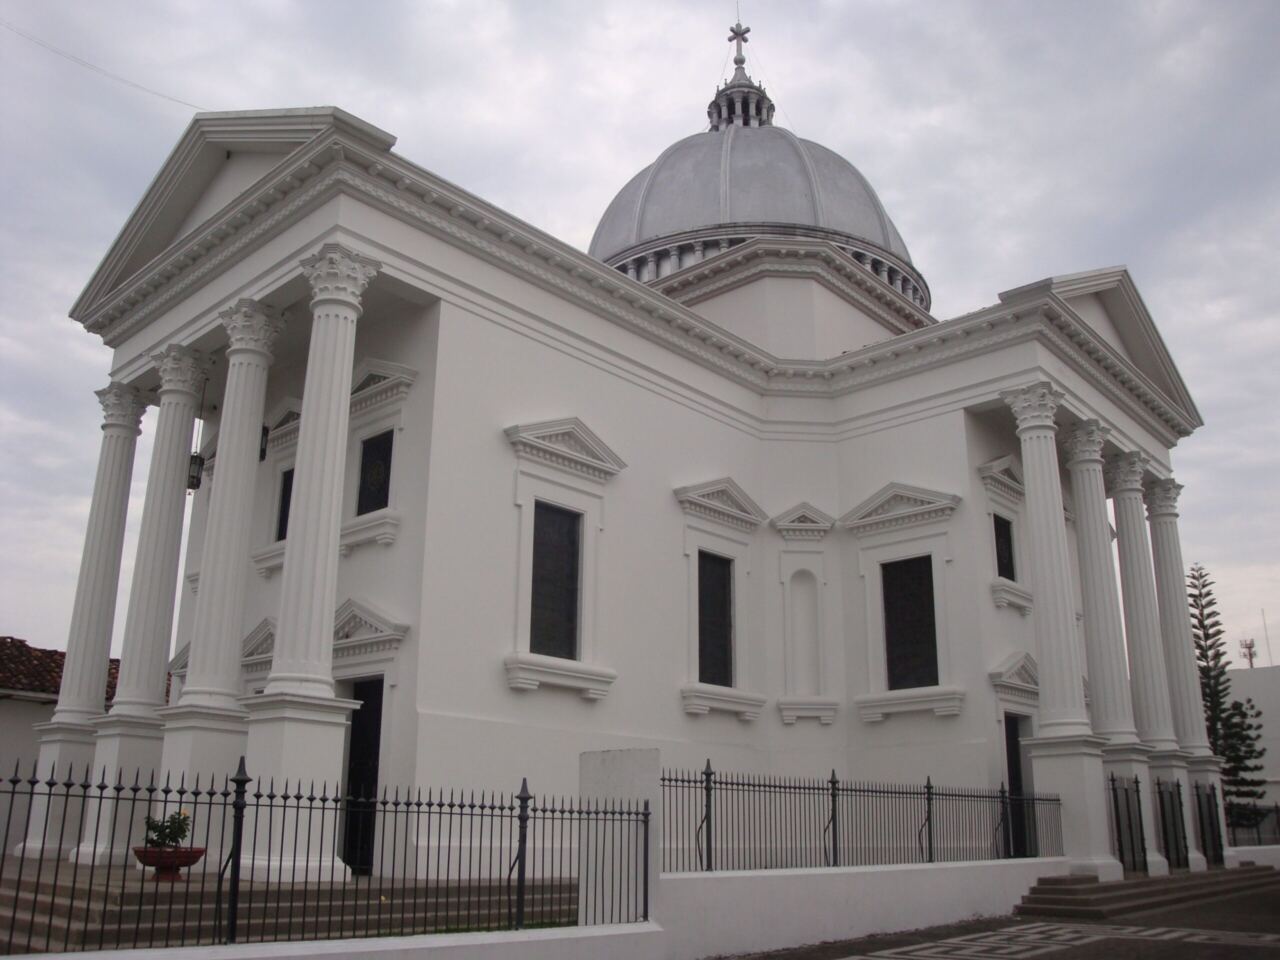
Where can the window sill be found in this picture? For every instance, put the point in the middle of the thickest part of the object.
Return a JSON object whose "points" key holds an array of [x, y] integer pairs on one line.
{"points": [[942, 701], [1006, 593], [380, 526], [821, 709], [529, 671], [701, 698]]}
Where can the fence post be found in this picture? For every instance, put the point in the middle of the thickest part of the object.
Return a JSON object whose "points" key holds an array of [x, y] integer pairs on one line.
{"points": [[1006, 831], [1142, 827], [521, 850], [241, 780], [708, 781], [1257, 823], [928, 814], [645, 915], [1182, 825], [835, 820]]}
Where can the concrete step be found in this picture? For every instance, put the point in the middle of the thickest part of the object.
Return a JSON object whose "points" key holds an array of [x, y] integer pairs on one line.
{"points": [[1124, 897], [1121, 888]]}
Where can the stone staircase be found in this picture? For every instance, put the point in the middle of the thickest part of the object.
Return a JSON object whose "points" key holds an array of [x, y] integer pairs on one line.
{"points": [[1084, 898]]}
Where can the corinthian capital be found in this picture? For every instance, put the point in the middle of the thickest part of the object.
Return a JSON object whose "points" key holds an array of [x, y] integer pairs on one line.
{"points": [[1162, 497], [181, 370], [252, 326], [1084, 442], [122, 406], [1123, 472], [1033, 406], [337, 273]]}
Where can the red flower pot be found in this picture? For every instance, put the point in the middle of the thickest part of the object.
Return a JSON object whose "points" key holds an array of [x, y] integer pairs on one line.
{"points": [[167, 861]]}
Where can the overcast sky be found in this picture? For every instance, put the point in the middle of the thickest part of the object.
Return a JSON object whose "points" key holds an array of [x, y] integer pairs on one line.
{"points": [[1009, 141]]}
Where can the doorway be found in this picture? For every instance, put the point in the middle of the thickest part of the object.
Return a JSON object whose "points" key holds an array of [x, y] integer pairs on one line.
{"points": [[1021, 831], [360, 822]]}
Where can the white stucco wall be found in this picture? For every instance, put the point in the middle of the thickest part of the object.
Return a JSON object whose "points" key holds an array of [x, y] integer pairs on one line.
{"points": [[1262, 685]]}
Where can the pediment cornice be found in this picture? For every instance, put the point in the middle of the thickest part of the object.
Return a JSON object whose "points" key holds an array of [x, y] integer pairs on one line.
{"points": [[723, 501], [804, 521], [898, 505], [335, 163], [567, 444], [1017, 677]]}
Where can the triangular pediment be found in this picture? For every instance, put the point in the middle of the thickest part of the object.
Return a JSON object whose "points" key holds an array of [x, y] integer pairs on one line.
{"points": [[567, 444], [358, 619], [723, 501], [218, 158], [288, 410], [899, 505], [1017, 676], [1107, 302], [261, 640], [1003, 476], [804, 521]]}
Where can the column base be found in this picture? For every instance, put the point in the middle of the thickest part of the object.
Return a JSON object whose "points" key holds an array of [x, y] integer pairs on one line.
{"points": [[1126, 761], [1071, 767], [1171, 766], [127, 750], [203, 741], [65, 754]]}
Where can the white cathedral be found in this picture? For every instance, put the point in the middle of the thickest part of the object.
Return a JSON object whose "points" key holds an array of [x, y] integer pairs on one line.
{"points": [[469, 501]]}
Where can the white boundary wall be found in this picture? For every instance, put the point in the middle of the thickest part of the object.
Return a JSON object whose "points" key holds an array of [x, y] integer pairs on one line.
{"points": [[1268, 856], [752, 910]]}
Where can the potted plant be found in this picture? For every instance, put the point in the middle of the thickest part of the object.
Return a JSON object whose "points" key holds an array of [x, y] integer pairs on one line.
{"points": [[163, 848]]}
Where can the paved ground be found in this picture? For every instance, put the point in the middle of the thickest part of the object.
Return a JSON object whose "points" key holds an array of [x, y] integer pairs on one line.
{"points": [[1243, 926]]}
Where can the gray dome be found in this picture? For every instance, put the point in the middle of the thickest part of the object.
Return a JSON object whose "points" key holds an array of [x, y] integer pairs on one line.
{"points": [[754, 175]]}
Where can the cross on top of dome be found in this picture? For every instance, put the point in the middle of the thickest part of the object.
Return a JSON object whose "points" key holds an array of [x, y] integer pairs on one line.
{"points": [[741, 102]]}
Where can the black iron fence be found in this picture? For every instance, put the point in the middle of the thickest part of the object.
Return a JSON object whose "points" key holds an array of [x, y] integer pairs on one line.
{"points": [[1127, 829], [296, 862], [1172, 826], [732, 821], [1208, 823], [1253, 824]]}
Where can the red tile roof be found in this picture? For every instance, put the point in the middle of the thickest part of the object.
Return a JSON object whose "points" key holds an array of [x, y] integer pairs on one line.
{"points": [[29, 669]]}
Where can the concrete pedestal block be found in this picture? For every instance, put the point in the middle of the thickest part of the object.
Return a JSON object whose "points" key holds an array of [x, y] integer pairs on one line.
{"points": [[127, 750], [629, 777], [203, 740], [1126, 762], [1171, 767], [1071, 767], [66, 752]]}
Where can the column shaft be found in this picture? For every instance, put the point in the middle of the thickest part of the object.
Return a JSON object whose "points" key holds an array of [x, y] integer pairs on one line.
{"points": [[302, 659], [1175, 618], [213, 670], [149, 623], [1112, 707], [84, 671], [1147, 672]]}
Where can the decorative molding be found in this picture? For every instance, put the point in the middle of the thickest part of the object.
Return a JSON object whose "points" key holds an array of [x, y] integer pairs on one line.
{"points": [[379, 384], [122, 406], [703, 698], [380, 526], [252, 326], [1085, 441], [337, 274], [1124, 472], [287, 410], [181, 369], [941, 701], [1162, 498], [1003, 479], [1006, 593], [822, 709], [804, 521], [528, 671], [360, 632], [1034, 405], [567, 444], [899, 505], [1017, 678], [722, 501]]}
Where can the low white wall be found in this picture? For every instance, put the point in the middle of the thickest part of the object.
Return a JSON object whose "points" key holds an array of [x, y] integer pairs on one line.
{"points": [[632, 941], [752, 910], [1263, 856]]}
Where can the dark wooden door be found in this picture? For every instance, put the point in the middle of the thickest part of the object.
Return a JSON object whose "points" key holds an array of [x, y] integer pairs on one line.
{"points": [[1019, 812], [362, 776]]}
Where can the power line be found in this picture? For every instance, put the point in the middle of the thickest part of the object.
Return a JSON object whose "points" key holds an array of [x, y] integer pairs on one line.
{"points": [[94, 67]]}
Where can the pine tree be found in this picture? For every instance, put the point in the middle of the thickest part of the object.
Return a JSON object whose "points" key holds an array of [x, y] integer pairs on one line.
{"points": [[1233, 727], [1211, 654]]}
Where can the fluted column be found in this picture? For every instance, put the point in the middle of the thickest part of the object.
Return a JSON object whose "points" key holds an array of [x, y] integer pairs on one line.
{"points": [[1066, 757], [301, 662], [1112, 707], [84, 671], [213, 670], [67, 740], [1062, 710], [1175, 618], [149, 622], [1148, 675], [206, 731]]}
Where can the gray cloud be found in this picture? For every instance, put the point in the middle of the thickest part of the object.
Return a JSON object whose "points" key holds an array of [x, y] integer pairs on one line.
{"points": [[1008, 140]]}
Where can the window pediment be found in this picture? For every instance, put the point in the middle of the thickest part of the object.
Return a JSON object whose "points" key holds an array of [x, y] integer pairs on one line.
{"points": [[567, 444], [899, 505], [804, 521], [723, 501], [359, 630], [1003, 479], [1017, 677], [375, 384]]}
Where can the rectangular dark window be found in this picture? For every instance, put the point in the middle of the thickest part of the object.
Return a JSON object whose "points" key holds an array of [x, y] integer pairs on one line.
{"points": [[557, 548], [1004, 548], [715, 619], [375, 473], [910, 640], [286, 495]]}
